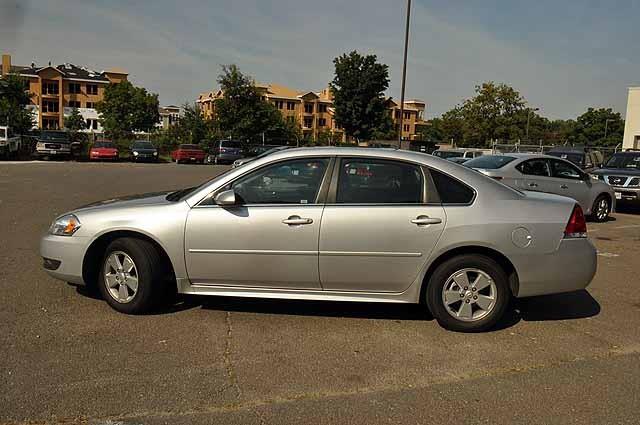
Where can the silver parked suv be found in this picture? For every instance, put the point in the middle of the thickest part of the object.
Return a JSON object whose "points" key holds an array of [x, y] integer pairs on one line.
{"points": [[622, 171]]}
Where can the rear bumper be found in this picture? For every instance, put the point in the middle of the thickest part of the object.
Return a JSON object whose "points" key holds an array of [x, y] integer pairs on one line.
{"points": [[69, 252], [568, 269]]}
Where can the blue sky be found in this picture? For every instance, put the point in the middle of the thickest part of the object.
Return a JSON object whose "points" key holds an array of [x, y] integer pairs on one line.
{"points": [[563, 56]]}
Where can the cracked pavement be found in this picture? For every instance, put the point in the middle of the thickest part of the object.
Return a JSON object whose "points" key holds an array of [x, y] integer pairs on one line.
{"points": [[66, 357]]}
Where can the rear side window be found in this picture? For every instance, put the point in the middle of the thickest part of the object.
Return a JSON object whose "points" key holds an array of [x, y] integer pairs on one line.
{"points": [[2, 133], [451, 191], [535, 167], [373, 181]]}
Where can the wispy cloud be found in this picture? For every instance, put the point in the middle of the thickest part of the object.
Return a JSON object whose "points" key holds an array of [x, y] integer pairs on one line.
{"points": [[175, 48]]}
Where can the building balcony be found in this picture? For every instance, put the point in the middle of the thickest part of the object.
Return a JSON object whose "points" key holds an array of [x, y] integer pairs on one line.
{"points": [[50, 114]]}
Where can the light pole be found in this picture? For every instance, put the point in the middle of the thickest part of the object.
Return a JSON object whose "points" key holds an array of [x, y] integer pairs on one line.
{"points": [[404, 73], [528, 120], [606, 127]]}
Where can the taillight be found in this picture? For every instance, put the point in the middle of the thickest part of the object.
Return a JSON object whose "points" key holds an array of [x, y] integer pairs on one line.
{"points": [[223, 150], [577, 225]]}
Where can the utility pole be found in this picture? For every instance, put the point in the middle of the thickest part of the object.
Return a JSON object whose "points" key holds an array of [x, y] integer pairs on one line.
{"points": [[529, 119], [606, 127], [404, 74]]}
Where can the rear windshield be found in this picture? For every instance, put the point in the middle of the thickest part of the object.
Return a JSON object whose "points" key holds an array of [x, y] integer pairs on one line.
{"points": [[103, 145], [489, 162], [576, 158], [54, 135], [229, 144], [624, 160], [189, 147], [448, 154]]}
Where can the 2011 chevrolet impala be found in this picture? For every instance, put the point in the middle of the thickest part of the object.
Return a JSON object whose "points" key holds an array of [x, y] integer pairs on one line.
{"points": [[342, 224]]}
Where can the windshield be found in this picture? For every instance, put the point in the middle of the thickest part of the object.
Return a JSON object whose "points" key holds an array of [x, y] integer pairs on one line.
{"points": [[143, 145], [58, 136], [448, 154], [180, 195], [230, 144], [103, 145], [624, 160], [489, 162], [576, 158], [3, 133]]}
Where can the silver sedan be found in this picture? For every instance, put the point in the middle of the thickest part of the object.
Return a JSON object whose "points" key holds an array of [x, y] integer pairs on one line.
{"points": [[339, 224], [545, 173]]}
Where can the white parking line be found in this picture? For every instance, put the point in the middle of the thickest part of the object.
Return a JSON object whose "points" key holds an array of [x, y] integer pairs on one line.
{"points": [[608, 254], [628, 226]]}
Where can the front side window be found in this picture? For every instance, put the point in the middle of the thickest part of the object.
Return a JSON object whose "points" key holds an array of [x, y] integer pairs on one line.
{"points": [[288, 182], [535, 167], [564, 170], [373, 181]]}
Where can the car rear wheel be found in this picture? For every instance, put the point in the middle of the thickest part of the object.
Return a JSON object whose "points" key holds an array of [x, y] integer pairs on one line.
{"points": [[131, 276], [601, 208], [468, 293]]}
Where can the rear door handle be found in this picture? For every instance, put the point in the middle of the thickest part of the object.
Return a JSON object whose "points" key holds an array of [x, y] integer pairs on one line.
{"points": [[423, 220], [564, 186], [533, 185], [296, 220]]}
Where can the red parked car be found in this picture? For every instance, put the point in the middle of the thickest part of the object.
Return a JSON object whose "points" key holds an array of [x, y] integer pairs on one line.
{"points": [[188, 153], [104, 150]]}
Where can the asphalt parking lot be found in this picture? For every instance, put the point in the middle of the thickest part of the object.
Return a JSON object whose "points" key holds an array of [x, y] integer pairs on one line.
{"points": [[67, 357]]}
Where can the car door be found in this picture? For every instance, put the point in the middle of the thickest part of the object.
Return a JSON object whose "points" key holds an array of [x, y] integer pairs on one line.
{"points": [[379, 226], [270, 238], [568, 180], [535, 173]]}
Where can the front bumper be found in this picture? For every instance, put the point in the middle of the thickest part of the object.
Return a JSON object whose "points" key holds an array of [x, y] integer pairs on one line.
{"points": [[570, 268], [69, 251], [627, 194]]}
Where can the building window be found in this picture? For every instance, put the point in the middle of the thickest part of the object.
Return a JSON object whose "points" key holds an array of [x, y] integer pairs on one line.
{"points": [[50, 124], [50, 87], [92, 89], [308, 122], [74, 104], [91, 105], [322, 108], [406, 127], [279, 104], [397, 114], [291, 106], [291, 119], [308, 108], [92, 124], [74, 88], [322, 122], [407, 115], [50, 106]]}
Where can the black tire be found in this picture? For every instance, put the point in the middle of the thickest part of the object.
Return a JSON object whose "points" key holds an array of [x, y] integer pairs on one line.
{"points": [[595, 216], [151, 274], [441, 275]]}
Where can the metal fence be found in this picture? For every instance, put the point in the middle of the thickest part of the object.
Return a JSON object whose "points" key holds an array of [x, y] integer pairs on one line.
{"points": [[607, 151]]}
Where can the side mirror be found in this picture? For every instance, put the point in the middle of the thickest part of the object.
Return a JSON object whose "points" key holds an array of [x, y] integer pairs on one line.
{"points": [[225, 198]]}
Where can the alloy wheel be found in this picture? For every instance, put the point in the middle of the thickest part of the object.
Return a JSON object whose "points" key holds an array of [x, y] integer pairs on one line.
{"points": [[120, 277], [469, 294], [602, 209]]}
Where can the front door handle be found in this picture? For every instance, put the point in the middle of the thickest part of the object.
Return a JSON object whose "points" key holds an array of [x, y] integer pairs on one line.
{"points": [[296, 220], [533, 184], [564, 186], [423, 220]]}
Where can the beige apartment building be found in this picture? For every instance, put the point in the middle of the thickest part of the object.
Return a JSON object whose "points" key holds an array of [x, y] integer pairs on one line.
{"points": [[315, 113], [57, 90]]}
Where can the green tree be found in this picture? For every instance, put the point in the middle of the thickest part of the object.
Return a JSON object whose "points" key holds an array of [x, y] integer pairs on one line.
{"points": [[358, 88], [591, 126], [75, 122], [242, 113], [13, 99], [126, 108], [386, 129], [452, 126]]}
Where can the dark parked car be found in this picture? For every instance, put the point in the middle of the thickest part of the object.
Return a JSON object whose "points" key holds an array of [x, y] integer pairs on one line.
{"points": [[143, 150], [53, 143], [258, 152], [585, 158], [622, 172], [188, 153], [225, 152]]}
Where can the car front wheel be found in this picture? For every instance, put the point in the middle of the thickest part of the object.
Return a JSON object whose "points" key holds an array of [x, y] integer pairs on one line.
{"points": [[468, 293], [131, 276], [601, 208]]}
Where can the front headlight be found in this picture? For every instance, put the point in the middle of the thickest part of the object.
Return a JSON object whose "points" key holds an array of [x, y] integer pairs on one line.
{"points": [[66, 225], [597, 177], [155, 154], [135, 153]]}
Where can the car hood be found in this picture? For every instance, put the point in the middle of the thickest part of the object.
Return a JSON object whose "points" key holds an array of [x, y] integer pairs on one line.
{"points": [[616, 171], [153, 198]]}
